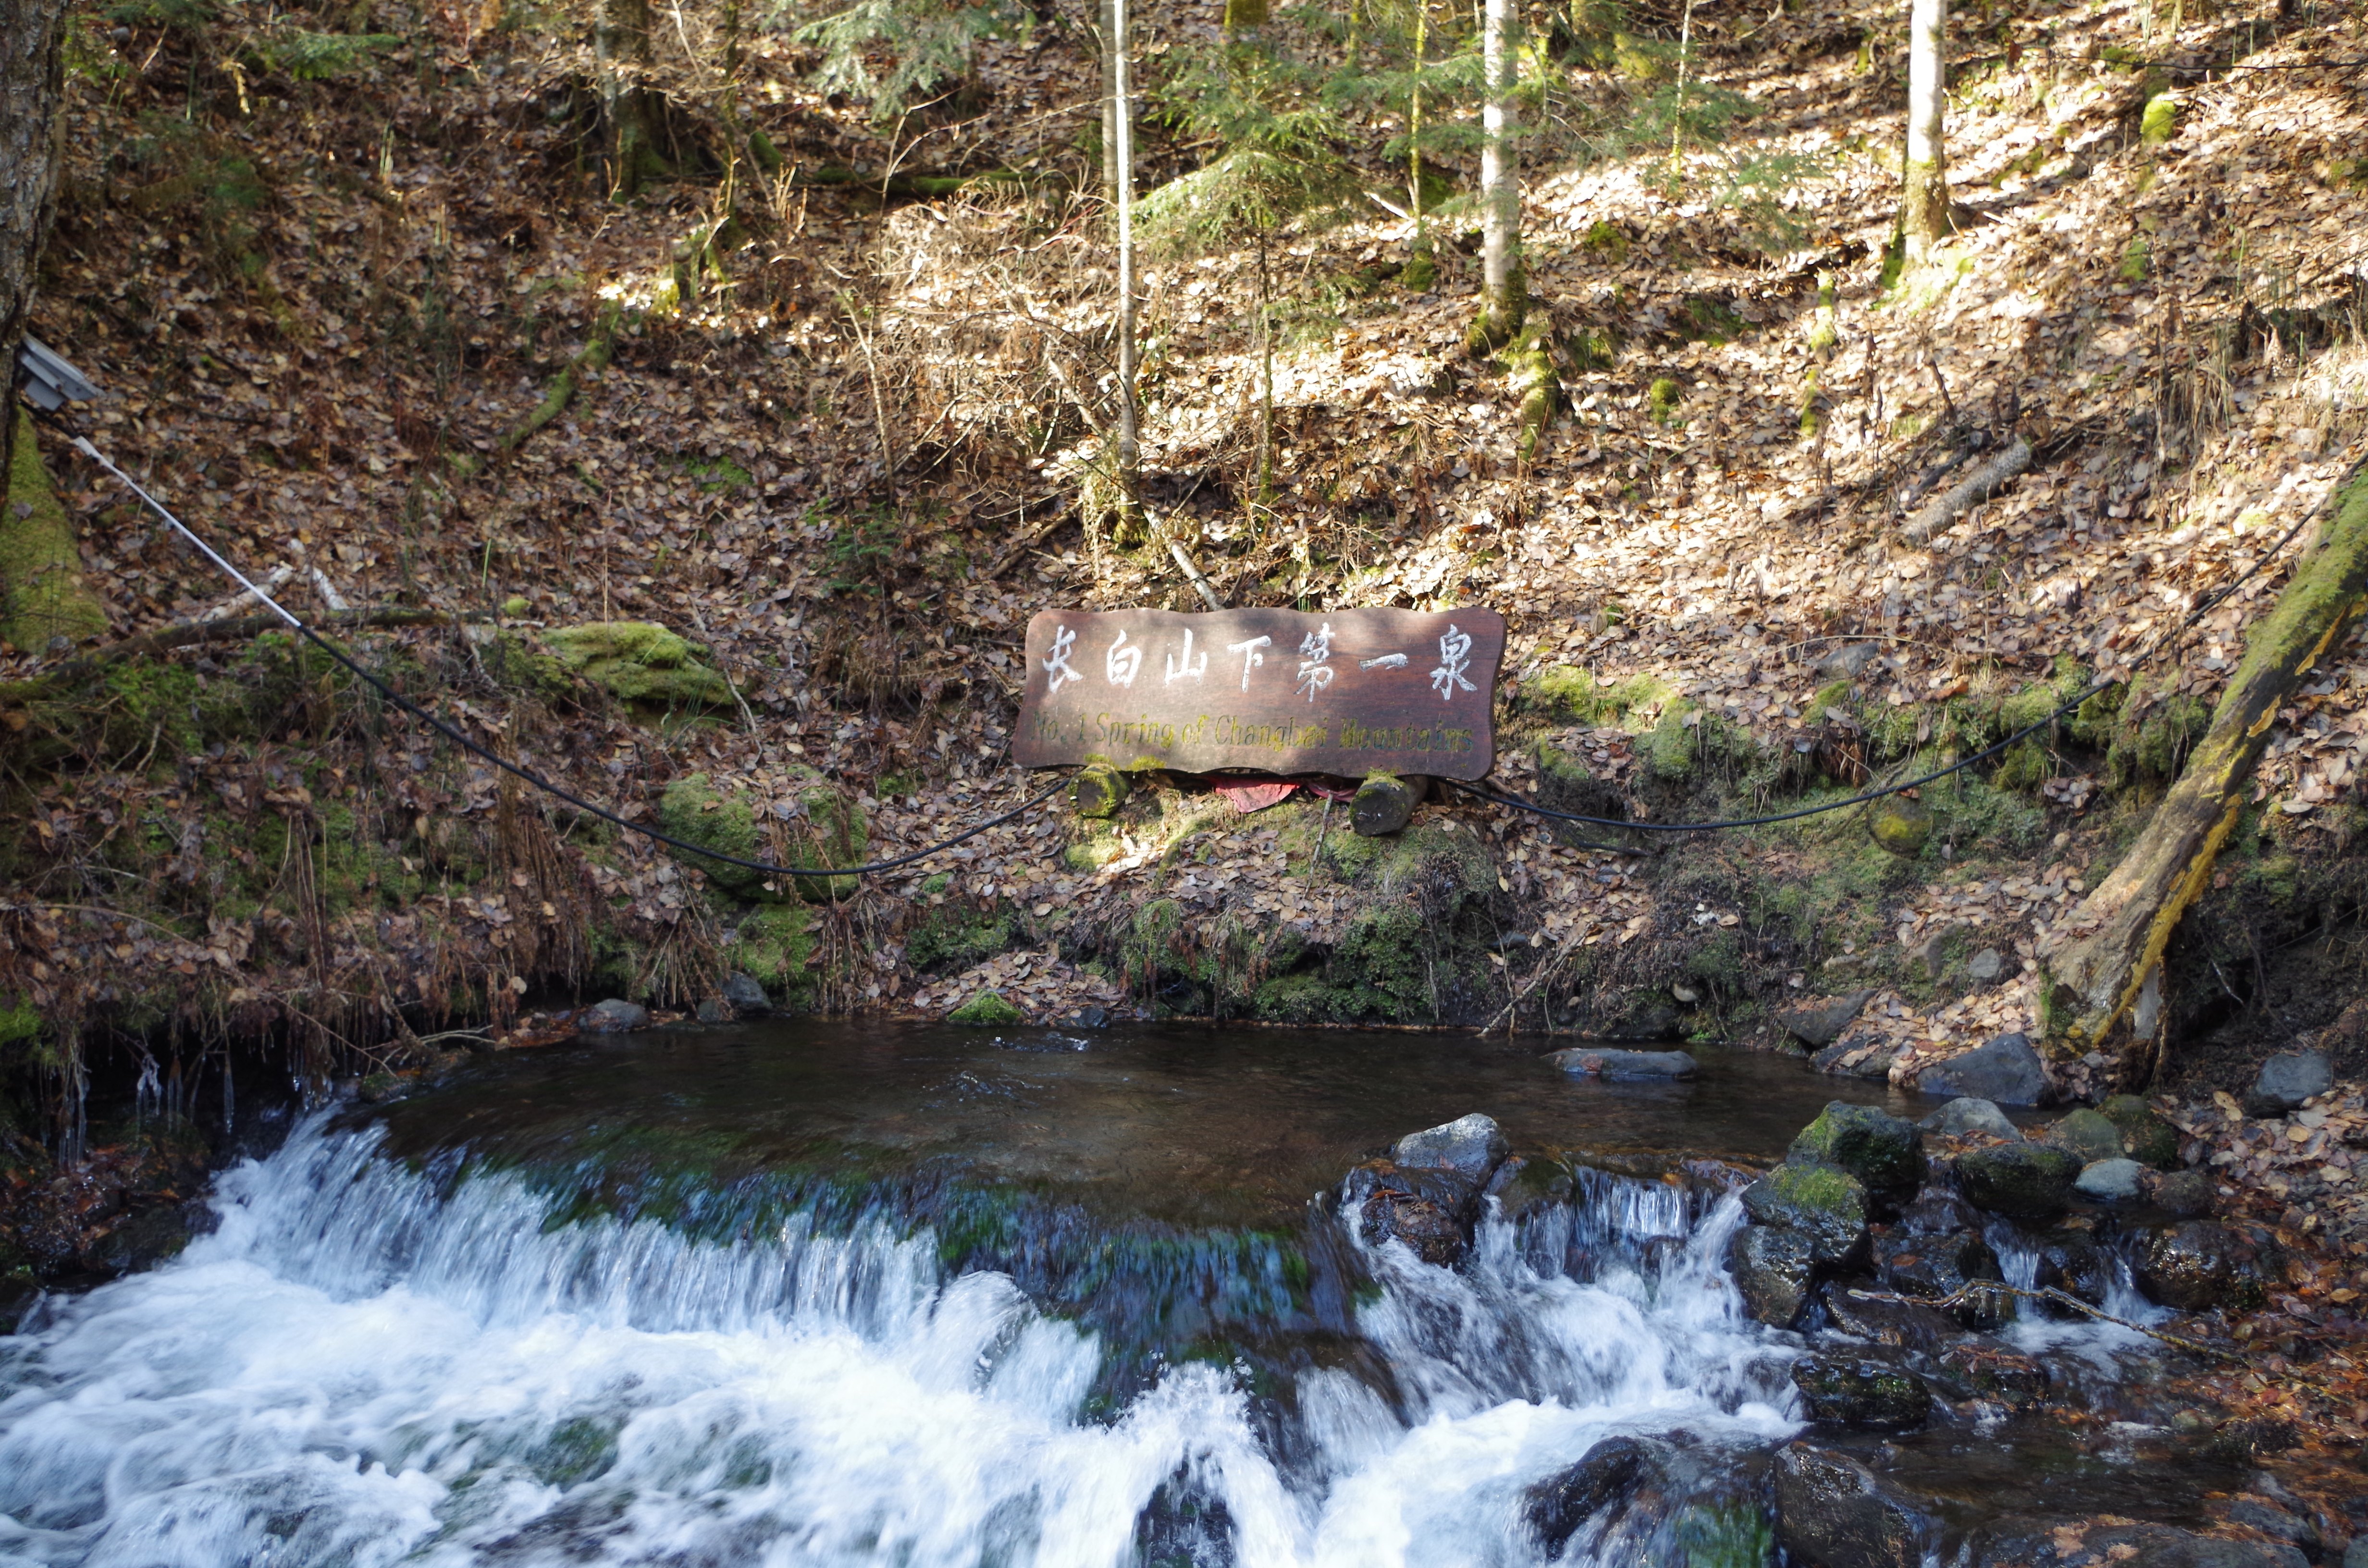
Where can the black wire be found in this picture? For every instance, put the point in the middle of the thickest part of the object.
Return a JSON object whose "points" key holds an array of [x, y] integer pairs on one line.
{"points": [[540, 782], [2210, 603]]}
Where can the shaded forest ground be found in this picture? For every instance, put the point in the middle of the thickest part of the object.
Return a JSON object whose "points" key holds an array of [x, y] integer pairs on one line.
{"points": [[841, 434]]}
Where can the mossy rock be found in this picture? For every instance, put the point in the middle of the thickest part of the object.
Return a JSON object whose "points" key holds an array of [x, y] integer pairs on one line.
{"points": [[1672, 747], [1899, 825], [952, 938], [1821, 1202], [776, 946], [694, 810], [986, 1007], [640, 661], [523, 672], [2026, 1181], [1886, 1153], [41, 594], [2146, 1137], [2088, 1133], [1573, 695]]}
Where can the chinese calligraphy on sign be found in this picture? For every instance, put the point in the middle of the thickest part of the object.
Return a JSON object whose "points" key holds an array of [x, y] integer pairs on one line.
{"points": [[1399, 690]]}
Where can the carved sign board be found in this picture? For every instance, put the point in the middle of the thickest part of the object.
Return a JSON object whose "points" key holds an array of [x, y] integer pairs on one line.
{"points": [[1264, 691]]}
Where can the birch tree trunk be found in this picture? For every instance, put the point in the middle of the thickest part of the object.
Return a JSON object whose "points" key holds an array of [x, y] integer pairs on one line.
{"points": [[2103, 990], [33, 78], [1924, 217], [1504, 296], [1123, 122]]}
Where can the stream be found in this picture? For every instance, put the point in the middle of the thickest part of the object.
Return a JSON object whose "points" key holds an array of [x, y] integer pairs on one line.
{"points": [[808, 1293]]}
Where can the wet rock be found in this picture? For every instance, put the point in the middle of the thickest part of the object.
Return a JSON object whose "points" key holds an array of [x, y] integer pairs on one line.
{"points": [[2356, 1554], [1884, 1152], [1521, 1185], [2199, 1264], [2087, 1134], [1937, 1211], [1611, 1470], [1858, 1054], [1590, 1061], [712, 1010], [1968, 1114], [152, 1237], [1833, 1512], [2188, 1195], [2110, 1181], [1899, 825], [1875, 1396], [1773, 1271], [1904, 1326], [745, 996], [2111, 1543], [2071, 1261], [1472, 1145], [2286, 1080], [1934, 1266], [1988, 1368], [1089, 1019], [614, 1015], [1820, 1021], [2146, 1137], [1450, 1190], [2006, 1070], [2026, 1181], [1825, 1205], [2281, 1524], [1433, 1234]]}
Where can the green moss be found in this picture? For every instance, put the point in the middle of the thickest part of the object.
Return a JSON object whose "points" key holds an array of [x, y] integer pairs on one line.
{"points": [[1729, 1533], [19, 1023], [776, 948], [1834, 698], [41, 593], [1901, 826], [986, 1007], [1573, 695], [1605, 239], [640, 661], [1661, 399], [2160, 122], [1672, 746], [694, 810], [952, 937]]}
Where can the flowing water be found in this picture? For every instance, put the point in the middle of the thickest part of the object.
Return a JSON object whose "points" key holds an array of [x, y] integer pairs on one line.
{"points": [[810, 1295]]}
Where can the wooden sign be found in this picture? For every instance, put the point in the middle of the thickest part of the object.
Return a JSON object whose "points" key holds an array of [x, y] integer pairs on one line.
{"points": [[1263, 690]]}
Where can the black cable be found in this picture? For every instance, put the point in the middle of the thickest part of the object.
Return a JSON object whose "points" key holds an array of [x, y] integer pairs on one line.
{"points": [[2210, 602], [529, 775]]}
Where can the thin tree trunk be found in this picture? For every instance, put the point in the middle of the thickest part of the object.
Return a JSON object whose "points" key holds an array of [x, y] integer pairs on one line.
{"points": [[2103, 991], [1123, 122], [1924, 217], [1109, 102], [1502, 299], [1266, 379], [1421, 270], [32, 80], [620, 50]]}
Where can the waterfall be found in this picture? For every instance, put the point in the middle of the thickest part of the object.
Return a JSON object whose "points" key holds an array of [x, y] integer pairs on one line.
{"points": [[368, 1363]]}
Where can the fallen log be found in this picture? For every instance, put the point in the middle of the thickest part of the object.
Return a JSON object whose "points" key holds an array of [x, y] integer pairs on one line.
{"points": [[236, 629], [591, 361], [2103, 991], [1971, 491]]}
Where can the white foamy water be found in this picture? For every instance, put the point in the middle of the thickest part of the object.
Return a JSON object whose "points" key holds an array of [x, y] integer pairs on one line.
{"points": [[357, 1369]]}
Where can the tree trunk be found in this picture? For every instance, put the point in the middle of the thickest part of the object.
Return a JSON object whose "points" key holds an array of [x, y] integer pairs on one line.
{"points": [[1123, 121], [1924, 217], [1504, 297], [1110, 104], [2103, 990], [1421, 270], [33, 78], [620, 50]]}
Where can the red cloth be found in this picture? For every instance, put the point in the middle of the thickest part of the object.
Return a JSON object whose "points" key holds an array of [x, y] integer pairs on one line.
{"points": [[1253, 795]]}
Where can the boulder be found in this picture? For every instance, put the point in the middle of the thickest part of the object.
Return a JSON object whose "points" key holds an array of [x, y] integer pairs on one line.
{"points": [[2110, 1181], [1825, 1205], [1472, 1146], [2113, 1542], [1872, 1395], [639, 661], [2146, 1137], [2086, 1133], [1884, 1152], [1820, 1021], [712, 1010], [1937, 1212], [2189, 1195], [1833, 1512], [1596, 1062], [1986, 966], [614, 1015], [1904, 1326], [1433, 1233], [1966, 1114], [1934, 1266], [1774, 1270], [1451, 1190], [2025, 1181], [2278, 1522], [2006, 1070], [1899, 825], [2071, 1261], [745, 996], [2286, 1080], [2199, 1264], [1848, 661], [1607, 1474]]}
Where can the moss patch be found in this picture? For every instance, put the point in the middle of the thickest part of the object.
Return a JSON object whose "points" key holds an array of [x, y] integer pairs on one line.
{"points": [[694, 810], [986, 1007], [41, 592], [776, 947], [640, 661]]}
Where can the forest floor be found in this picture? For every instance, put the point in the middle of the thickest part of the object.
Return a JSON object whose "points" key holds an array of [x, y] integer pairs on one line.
{"points": [[843, 446]]}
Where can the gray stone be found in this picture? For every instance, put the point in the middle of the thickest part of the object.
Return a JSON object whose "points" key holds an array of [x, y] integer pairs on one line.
{"points": [[614, 1015], [1966, 1114], [1472, 1146], [2287, 1079], [1986, 966], [1090, 1019], [1823, 1204], [2087, 1134], [2110, 1181], [1610, 1471], [1774, 1270], [2187, 1193], [1850, 661], [1819, 1022], [2006, 1070], [2282, 1524], [2146, 1137], [2026, 1181], [1934, 1266], [712, 1010], [1434, 1234], [2356, 1554], [1858, 1054], [1835, 1511], [1594, 1062], [746, 996], [1886, 1153]]}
